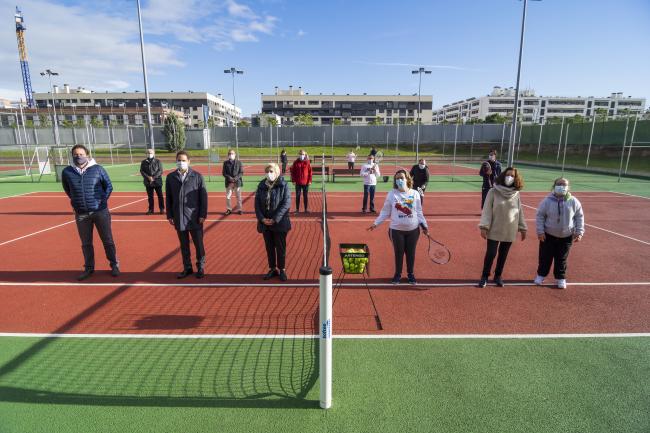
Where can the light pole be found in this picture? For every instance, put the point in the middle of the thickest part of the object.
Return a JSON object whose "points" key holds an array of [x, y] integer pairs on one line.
{"points": [[144, 74], [55, 123], [419, 71], [513, 129], [233, 72]]}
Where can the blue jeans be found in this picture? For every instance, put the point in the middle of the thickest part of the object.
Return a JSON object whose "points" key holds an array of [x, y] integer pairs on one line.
{"points": [[369, 190]]}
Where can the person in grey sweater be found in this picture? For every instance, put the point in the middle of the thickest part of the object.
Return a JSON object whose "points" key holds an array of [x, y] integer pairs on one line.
{"points": [[560, 222]]}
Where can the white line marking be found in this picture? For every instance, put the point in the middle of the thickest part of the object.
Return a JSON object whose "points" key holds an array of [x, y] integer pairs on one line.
{"points": [[18, 195], [337, 336], [631, 195], [605, 230], [312, 284], [63, 224]]}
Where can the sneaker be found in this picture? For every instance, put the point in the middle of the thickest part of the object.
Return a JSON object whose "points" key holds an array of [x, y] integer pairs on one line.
{"points": [[200, 273], [85, 274], [411, 279], [498, 281], [270, 274], [115, 271], [185, 273], [396, 279], [228, 212], [482, 283], [539, 280], [283, 275], [561, 284]]}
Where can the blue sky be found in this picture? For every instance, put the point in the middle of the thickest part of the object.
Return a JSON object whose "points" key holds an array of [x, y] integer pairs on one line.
{"points": [[573, 47]]}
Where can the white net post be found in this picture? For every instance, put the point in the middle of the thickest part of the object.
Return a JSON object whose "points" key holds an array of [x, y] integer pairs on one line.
{"points": [[325, 310]]}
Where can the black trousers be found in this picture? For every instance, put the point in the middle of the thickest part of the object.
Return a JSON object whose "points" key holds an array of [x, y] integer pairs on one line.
{"points": [[305, 192], [369, 192], [484, 192], [197, 239], [404, 242], [284, 167], [85, 224], [158, 189], [350, 165], [554, 251], [276, 248], [491, 253]]}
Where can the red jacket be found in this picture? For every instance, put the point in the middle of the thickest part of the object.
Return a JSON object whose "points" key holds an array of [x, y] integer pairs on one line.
{"points": [[301, 172]]}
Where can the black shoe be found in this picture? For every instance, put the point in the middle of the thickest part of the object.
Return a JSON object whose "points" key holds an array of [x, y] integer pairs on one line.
{"points": [[373, 211], [200, 274], [411, 279], [296, 211], [498, 281], [482, 283], [241, 212], [270, 274], [228, 212], [115, 271], [283, 275], [363, 211], [185, 273], [149, 212], [85, 274], [306, 211], [162, 211], [396, 279]]}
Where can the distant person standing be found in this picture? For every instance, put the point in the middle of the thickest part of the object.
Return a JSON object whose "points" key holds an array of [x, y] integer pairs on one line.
{"points": [[284, 160], [151, 170], [373, 151], [301, 176], [490, 170], [233, 172], [187, 209], [89, 187], [369, 173], [420, 174], [351, 158]]}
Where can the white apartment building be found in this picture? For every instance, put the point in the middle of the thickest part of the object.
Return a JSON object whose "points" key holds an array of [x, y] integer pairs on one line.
{"points": [[116, 106], [538, 109], [348, 109]]}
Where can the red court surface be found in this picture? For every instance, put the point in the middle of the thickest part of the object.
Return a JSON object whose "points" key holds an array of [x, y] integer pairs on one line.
{"points": [[40, 256]]}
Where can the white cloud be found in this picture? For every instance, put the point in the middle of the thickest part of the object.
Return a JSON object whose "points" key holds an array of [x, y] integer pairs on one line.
{"points": [[301, 33]]}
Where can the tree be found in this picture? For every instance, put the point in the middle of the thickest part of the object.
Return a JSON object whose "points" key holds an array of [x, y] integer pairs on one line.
{"points": [[29, 124], [496, 118], [376, 121], [601, 113], [337, 122], [67, 123], [174, 132], [473, 121], [96, 122], [211, 122], [44, 121], [243, 124], [302, 120], [271, 121], [80, 123]]}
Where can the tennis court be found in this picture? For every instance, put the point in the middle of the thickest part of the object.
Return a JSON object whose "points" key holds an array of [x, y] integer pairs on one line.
{"points": [[146, 351]]}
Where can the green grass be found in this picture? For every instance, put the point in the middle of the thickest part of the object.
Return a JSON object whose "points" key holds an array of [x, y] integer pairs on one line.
{"points": [[108, 385]]}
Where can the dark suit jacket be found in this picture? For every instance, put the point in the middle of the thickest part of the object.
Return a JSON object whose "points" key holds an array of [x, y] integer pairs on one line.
{"points": [[186, 201]]}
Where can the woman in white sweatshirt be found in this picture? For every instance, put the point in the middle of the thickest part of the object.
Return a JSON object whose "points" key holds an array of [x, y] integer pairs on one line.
{"points": [[403, 207], [560, 222], [502, 217]]}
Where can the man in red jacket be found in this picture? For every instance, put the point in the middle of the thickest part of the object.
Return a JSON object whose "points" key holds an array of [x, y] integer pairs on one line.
{"points": [[301, 177]]}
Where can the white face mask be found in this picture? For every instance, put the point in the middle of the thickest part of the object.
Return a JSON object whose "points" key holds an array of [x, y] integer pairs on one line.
{"points": [[493, 158], [421, 166], [561, 189], [182, 165], [302, 157], [509, 180], [271, 176], [401, 183], [150, 156], [370, 161], [231, 156]]}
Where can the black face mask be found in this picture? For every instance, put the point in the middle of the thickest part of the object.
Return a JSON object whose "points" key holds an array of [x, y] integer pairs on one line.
{"points": [[80, 160]]}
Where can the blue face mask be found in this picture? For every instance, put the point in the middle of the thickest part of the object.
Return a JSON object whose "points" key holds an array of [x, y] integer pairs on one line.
{"points": [[401, 183], [80, 160]]}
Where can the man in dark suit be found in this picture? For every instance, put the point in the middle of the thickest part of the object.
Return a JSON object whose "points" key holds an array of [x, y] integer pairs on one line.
{"points": [[187, 209], [151, 170]]}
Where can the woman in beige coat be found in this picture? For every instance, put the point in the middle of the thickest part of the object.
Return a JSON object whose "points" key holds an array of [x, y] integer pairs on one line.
{"points": [[501, 219]]}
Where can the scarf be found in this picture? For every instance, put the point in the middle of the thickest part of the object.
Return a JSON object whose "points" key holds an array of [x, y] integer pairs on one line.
{"points": [[506, 191]]}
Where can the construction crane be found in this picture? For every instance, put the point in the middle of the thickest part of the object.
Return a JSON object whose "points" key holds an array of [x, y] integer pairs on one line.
{"points": [[22, 53]]}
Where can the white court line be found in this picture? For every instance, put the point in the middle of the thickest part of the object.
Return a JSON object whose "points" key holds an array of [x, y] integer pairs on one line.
{"points": [[330, 219], [312, 284], [631, 195], [63, 224], [336, 336], [605, 230], [18, 195]]}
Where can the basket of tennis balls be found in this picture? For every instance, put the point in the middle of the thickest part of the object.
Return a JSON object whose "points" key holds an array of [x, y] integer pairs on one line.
{"points": [[355, 258]]}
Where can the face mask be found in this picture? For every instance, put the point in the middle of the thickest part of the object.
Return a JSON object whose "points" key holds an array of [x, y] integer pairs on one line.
{"points": [[150, 156], [231, 156], [370, 161], [493, 158], [271, 176], [561, 189], [302, 157], [182, 165], [401, 183], [80, 160], [509, 180], [421, 166]]}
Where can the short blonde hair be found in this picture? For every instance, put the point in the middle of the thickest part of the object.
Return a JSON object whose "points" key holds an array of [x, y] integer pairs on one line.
{"points": [[273, 166]]}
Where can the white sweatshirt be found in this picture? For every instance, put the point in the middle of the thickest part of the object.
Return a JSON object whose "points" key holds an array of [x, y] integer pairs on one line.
{"points": [[404, 209], [370, 178], [351, 157]]}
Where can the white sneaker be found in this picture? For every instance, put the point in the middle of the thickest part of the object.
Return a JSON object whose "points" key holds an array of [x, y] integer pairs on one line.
{"points": [[561, 284], [539, 280]]}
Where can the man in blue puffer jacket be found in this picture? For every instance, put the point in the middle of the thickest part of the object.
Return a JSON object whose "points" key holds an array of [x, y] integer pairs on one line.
{"points": [[89, 187]]}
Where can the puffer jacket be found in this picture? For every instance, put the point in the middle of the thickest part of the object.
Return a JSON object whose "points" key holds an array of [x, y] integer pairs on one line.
{"points": [[88, 191], [301, 173], [280, 204]]}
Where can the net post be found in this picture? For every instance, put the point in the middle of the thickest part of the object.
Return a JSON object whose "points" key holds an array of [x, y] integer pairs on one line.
{"points": [[325, 337]]}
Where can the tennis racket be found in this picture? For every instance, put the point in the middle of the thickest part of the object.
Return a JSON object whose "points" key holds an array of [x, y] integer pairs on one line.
{"points": [[438, 253], [379, 156]]}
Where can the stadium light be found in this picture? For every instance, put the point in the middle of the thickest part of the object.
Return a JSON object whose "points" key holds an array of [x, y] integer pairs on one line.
{"points": [[419, 71], [55, 123], [233, 72]]}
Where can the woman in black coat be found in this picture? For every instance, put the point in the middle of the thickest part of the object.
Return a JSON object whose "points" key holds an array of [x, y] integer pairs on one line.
{"points": [[272, 204]]}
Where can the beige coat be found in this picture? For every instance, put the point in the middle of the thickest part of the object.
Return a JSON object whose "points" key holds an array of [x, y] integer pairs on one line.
{"points": [[503, 215]]}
